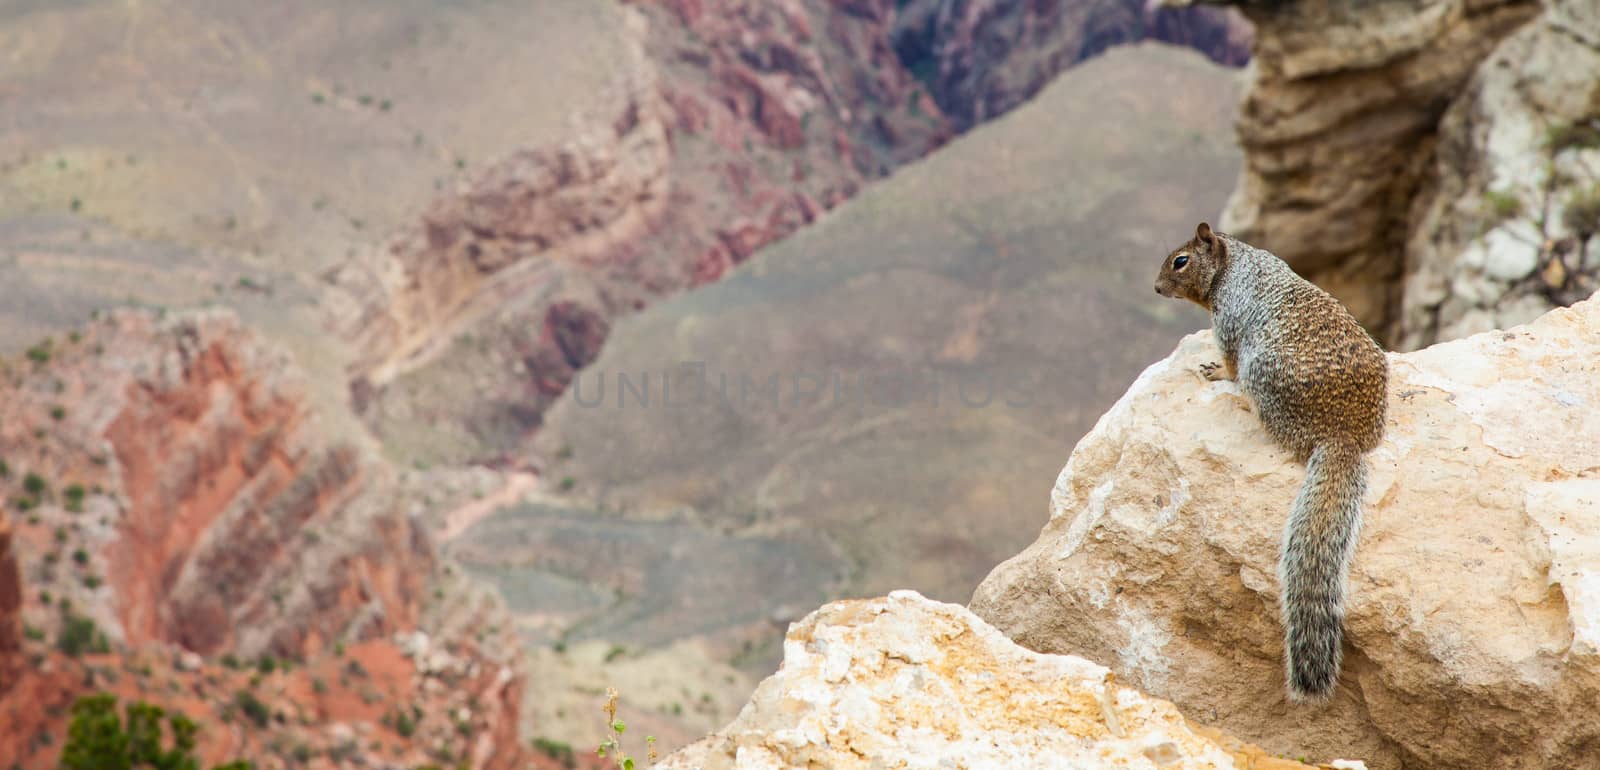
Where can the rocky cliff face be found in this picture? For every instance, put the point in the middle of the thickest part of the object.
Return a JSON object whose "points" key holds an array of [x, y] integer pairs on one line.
{"points": [[1504, 226], [1471, 627], [1420, 159], [904, 681], [173, 505], [981, 58]]}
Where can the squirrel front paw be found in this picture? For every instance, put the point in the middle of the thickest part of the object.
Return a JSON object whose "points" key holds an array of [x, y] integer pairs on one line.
{"points": [[1215, 371]]}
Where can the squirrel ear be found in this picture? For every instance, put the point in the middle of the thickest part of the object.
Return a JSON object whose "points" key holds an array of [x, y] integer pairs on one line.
{"points": [[1203, 233]]}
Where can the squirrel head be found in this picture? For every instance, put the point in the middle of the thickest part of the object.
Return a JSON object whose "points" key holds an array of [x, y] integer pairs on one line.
{"points": [[1190, 271]]}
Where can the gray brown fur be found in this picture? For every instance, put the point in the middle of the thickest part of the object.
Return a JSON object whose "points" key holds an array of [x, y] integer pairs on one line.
{"points": [[1320, 385]]}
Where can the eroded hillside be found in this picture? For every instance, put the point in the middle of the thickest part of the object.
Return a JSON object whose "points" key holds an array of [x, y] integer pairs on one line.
{"points": [[173, 509]]}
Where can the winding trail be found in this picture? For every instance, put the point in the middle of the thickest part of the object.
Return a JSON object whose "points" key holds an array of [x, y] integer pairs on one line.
{"points": [[461, 519]]}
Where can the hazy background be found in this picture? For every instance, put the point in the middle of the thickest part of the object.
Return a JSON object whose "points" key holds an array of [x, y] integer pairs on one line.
{"points": [[891, 259]]}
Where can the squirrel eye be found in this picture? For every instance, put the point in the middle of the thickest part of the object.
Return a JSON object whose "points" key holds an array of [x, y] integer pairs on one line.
{"points": [[1177, 264]]}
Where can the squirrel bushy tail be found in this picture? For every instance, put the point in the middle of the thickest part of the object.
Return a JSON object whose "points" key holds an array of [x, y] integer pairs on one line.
{"points": [[1317, 544]]}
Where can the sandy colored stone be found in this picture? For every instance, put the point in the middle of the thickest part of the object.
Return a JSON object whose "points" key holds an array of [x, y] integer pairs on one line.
{"points": [[906, 682], [1474, 607]]}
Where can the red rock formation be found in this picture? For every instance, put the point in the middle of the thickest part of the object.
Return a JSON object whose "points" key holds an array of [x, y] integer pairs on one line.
{"points": [[203, 480], [173, 487]]}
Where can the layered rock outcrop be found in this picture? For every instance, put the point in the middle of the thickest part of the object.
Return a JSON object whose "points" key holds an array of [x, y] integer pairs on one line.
{"points": [[1472, 635], [176, 489], [1433, 164], [902, 681], [173, 507]]}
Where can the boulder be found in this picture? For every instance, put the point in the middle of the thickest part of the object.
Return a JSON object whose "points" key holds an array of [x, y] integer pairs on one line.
{"points": [[1473, 616], [904, 681]]}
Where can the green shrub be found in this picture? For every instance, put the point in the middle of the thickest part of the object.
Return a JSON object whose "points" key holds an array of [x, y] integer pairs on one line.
{"points": [[98, 740], [34, 484], [74, 494], [404, 724], [80, 635], [253, 708]]}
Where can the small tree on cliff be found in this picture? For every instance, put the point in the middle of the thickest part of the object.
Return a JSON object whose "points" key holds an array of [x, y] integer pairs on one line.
{"points": [[98, 740]]}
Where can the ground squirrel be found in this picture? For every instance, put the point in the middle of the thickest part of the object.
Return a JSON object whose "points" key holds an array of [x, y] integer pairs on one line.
{"points": [[1320, 385]]}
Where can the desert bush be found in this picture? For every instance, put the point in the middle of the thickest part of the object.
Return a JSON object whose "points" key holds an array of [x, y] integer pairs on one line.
{"points": [[98, 740]]}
